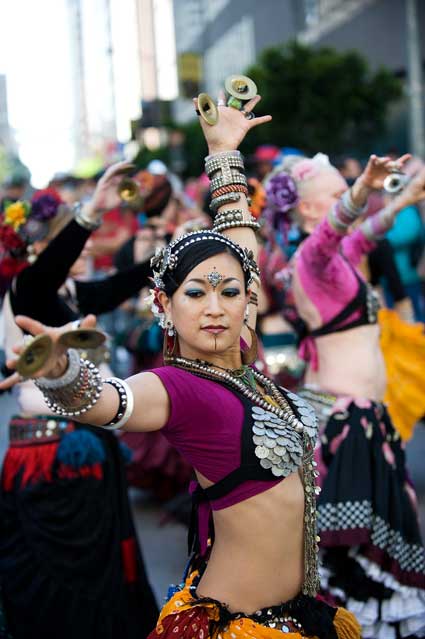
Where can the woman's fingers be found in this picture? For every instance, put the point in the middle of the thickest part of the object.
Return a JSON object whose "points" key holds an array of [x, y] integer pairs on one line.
{"points": [[10, 381], [117, 170], [404, 158], [261, 120], [89, 321], [29, 325], [249, 106]]}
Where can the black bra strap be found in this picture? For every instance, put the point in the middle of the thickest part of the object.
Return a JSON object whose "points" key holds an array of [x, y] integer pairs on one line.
{"points": [[358, 301]]}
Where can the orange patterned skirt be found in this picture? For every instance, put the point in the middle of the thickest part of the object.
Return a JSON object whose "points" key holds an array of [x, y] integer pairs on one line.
{"points": [[188, 616]]}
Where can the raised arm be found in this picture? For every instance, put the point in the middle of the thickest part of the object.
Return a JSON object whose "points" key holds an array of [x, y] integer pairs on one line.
{"points": [[46, 275], [223, 140], [101, 296], [334, 232]]}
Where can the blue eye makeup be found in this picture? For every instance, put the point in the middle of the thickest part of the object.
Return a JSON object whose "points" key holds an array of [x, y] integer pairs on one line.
{"points": [[194, 292]]}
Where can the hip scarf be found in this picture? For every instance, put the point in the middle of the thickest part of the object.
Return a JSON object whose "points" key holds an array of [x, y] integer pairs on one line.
{"points": [[70, 563], [189, 616], [373, 560]]}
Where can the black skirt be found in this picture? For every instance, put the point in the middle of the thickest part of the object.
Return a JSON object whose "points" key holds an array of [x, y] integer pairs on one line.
{"points": [[373, 559], [70, 563]]}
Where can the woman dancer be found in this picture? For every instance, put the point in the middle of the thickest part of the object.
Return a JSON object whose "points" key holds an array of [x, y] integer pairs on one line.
{"points": [[250, 443], [373, 559], [70, 564]]}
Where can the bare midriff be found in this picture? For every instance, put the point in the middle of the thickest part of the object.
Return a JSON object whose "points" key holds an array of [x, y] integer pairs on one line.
{"points": [[257, 559], [350, 363]]}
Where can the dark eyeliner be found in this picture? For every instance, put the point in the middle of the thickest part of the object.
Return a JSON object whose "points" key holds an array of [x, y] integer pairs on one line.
{"points": [[231, 292]]}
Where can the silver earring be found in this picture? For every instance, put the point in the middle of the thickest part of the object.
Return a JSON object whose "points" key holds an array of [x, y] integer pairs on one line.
{"points": [[246, 315], [170, 327]]}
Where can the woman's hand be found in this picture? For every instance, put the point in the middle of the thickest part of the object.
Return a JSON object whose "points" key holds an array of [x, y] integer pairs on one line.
{"points": [[414, 191], [232, 126], [56, 365], [378, 168], [106, 196]]}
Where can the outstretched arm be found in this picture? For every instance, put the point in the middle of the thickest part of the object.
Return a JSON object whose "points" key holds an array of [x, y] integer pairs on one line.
{"points": [[151, 403]]}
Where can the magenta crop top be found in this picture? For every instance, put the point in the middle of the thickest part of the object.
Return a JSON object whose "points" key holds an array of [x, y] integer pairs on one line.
{"points": [[212, 427], [205, 426]]}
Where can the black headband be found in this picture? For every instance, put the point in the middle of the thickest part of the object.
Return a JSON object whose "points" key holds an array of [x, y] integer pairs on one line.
{"points": [[172, 264]]}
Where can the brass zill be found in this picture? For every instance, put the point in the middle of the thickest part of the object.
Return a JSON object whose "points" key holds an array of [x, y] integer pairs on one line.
{"points": [[86, 338], [207, 109], [34, 356], [128, 190], [241, 87]]}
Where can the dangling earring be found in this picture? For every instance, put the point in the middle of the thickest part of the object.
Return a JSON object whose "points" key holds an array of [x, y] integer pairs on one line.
{"points": [[170, 340], [249, 356], [170, 327]]}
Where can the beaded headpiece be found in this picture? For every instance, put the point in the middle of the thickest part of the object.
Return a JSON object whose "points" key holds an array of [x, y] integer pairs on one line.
{"points": [[167, 259]]}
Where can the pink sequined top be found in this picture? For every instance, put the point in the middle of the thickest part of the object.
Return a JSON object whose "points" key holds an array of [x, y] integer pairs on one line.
{"points": [[324, 267]]}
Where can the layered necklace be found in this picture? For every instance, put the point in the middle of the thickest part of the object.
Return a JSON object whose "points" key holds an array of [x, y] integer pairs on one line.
{"points": [[247, 380]]}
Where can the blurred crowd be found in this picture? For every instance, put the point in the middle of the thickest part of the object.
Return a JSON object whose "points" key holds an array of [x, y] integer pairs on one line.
{"points": [[169, 206]]}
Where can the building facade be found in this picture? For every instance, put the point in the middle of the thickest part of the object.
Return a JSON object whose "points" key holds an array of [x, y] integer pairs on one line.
{"points": [[228, 35]]}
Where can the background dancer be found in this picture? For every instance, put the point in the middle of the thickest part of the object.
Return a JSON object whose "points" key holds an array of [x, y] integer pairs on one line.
{"points": [[373, 560], [70, 564]]}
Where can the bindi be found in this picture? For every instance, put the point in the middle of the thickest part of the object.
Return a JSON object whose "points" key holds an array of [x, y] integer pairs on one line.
{"points": [[214, 277]]}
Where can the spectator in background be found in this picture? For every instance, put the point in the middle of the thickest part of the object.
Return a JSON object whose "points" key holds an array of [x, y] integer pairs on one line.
{"points": [[14, 188], [407, 238], [68, 186], [263, 160], [349, 167]]}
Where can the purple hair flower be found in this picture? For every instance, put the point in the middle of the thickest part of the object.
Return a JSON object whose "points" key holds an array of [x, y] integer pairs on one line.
{"points": [[282, 192], [44, 208]]}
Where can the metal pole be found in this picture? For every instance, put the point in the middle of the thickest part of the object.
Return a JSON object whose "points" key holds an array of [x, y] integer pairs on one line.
{"points": [[415, 87]]}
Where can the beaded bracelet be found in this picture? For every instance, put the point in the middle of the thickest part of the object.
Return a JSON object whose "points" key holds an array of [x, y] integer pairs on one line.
{"points": [[85, 387], [213, 166], [349, 207], [228, 198], [69, 377], [126, 403], [234, 178], [234, 225], [224, 162], [230, 215], [82, 220], [230, 188]]}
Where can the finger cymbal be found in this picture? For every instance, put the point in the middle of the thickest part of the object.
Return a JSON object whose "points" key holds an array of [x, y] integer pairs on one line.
{"points": [[241, 87], [34, 355], [207, 109], [86, 338]]}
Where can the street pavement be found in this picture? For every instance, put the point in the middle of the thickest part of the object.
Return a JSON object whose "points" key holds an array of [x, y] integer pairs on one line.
{"points": [[164, 544]]}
